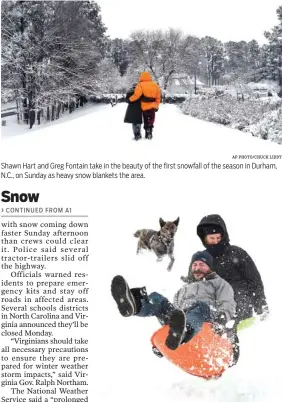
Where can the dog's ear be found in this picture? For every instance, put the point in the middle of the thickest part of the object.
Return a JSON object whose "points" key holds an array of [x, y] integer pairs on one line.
{"points": [[176, 222], [162, 222]]}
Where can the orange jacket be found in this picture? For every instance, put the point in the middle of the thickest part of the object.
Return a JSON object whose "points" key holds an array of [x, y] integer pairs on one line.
{"points": [[149, 89]]}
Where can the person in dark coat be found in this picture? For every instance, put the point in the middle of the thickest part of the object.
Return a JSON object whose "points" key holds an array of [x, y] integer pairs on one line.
{"points": [[233, 264], [133, 113]]}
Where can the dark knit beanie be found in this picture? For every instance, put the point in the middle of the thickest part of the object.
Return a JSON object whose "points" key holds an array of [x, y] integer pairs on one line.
{"points": [[203, 256], [212, 229]]}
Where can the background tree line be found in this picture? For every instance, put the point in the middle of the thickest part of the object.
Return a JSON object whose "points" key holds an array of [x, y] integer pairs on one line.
{"points": [[215, 62], [56, 54]]}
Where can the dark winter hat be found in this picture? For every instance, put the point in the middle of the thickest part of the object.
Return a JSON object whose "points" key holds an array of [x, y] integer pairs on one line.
{"points": [[211, 222], [212, 229], [203, 256]]}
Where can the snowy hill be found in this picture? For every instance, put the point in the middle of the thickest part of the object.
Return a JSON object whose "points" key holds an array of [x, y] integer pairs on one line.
{"points": [[122, 366]]}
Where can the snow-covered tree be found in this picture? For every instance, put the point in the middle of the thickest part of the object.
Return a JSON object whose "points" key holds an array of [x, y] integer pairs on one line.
{"points": [[50, 50], [170, 55], [110, 80], [192, 57], [157, 52], [146, 50], [119, 53], [242, 60], [214, 56], [271, 67]]}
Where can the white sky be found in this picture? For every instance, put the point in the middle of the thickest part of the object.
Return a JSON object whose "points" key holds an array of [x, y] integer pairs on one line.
{"points": [[223, 19]]}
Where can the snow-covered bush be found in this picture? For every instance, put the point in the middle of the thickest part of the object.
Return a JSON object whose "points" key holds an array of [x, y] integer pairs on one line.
{"points": [[177, 98], [7, 94], [109, 79], [228, 110], [268, 128], [107, 98], [213, 91]]}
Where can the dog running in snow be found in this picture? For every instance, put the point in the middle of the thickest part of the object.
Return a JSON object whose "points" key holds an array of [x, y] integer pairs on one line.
{"points": [[161, 242]]}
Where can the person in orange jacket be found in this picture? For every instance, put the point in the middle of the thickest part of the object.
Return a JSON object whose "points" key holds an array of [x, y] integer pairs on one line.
{"points": [[149, 92]]}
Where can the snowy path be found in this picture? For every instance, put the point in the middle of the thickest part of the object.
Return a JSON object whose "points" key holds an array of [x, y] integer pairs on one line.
{"points": [[172, 128], [122, 366]]}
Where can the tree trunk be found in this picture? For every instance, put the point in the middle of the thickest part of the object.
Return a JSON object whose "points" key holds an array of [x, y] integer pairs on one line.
{"points": [[38, 116], [53, 113], [58, 110], [23, 70], [280, 70], [167, 79], [31, 118]]}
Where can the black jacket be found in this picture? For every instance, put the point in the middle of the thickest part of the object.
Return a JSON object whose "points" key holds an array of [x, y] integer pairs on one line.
{"points": [[234, 265], [133, 112]]}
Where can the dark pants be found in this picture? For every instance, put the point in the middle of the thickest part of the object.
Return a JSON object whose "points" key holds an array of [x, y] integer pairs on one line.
{"points": [[158, 306], [149, 118]]}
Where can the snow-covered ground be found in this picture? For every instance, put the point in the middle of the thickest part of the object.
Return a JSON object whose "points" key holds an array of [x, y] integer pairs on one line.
{"points": [[122, 366]]}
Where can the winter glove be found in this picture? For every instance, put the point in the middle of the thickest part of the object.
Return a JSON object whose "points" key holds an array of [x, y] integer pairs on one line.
{"points": [[184, 279], [156, 352], [218, 328], [219, 323], [265, 312], [220, 318]]}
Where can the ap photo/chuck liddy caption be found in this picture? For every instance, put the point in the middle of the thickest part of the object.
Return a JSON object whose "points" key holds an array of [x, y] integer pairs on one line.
{"points": [[141, 167]]}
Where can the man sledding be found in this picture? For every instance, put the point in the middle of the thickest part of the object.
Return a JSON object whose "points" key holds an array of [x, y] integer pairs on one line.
{"points": [[203, 308]]}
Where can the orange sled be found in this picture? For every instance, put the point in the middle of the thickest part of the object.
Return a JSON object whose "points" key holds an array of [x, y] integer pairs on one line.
{"points": [[206, 355]]}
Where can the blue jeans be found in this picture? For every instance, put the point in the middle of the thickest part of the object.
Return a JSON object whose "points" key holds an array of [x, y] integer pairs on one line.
{"points": [[156, 305]]}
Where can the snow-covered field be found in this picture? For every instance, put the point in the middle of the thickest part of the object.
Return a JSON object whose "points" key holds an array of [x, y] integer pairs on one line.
{"points": [[122, 366]]}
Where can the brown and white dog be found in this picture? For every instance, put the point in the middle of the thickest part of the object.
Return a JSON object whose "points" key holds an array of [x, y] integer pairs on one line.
{"points": [[161, 242]]}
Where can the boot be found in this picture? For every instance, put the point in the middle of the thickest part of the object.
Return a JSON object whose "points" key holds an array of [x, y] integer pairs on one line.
{"points": [[177, 325], [149, 133], [137, 131], [235, 349], [139, 294], [189, 333], [128, 300]]}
